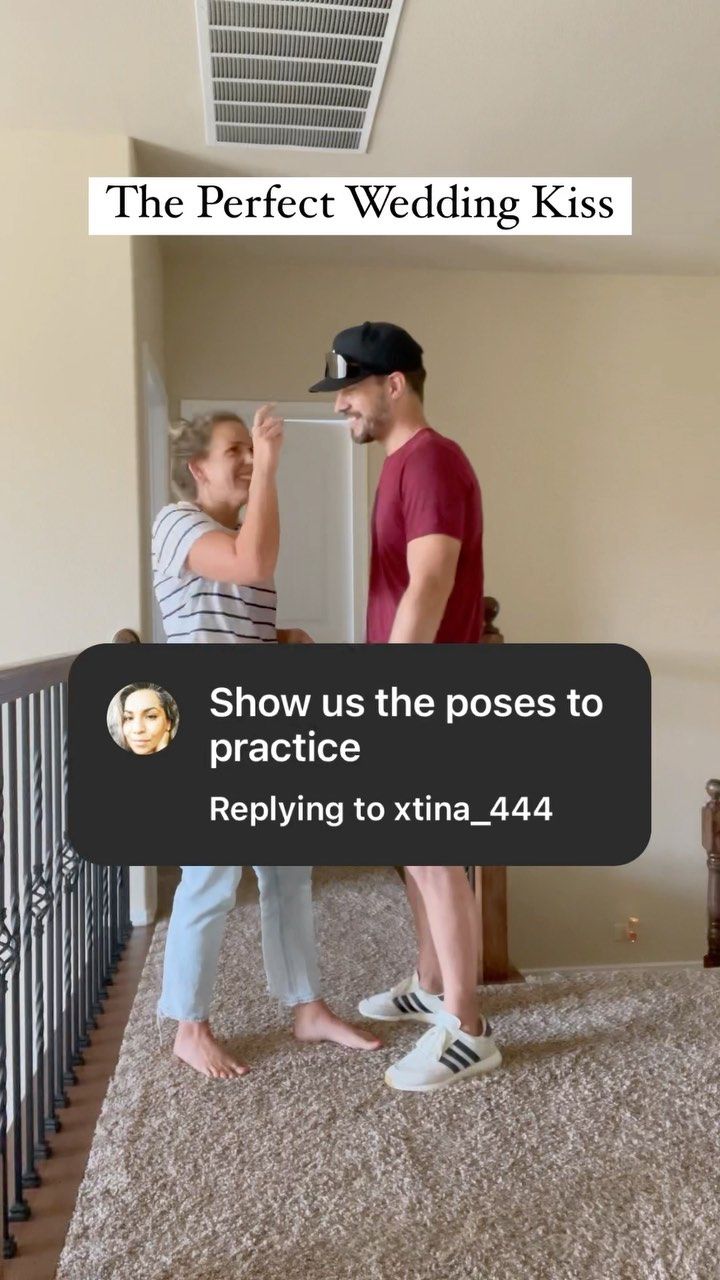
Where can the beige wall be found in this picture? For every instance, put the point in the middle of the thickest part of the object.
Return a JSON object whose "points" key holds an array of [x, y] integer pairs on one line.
{"points": [[589, 406], [69, 512]]}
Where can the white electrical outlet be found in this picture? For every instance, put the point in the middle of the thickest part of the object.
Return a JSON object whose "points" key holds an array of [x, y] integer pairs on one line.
{"points": [[620, 932]]}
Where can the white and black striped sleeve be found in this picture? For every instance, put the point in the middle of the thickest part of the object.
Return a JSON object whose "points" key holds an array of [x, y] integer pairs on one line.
{"points": [[174, 532]]}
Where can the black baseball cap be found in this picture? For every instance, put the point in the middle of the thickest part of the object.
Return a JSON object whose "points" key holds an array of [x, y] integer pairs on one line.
{"points": [[374, 347]]}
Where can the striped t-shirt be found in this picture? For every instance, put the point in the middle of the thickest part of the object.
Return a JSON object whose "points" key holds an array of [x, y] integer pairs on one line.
{"points": [[194, 609]]}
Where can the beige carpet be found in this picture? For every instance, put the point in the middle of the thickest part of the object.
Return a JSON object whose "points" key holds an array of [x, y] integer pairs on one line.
{"points": [[593, 1155]]}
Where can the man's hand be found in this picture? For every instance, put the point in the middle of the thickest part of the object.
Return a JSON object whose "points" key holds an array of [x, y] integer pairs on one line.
{"points": [[267, 438], [294, 635]]}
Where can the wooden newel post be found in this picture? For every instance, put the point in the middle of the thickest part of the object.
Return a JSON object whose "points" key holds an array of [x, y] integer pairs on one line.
{"points": [[126, 636], [490, 883], [711, 845], [491, 634]]}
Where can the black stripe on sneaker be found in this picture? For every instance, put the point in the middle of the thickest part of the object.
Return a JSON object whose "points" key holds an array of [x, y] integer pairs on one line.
{"points": [[460, 1048], [447, 1061], [399, 1002], [456, 1057], [417, 1003]]}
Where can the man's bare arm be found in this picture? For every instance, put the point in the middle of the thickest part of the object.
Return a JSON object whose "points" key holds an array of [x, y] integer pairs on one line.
{"points": [[432, 564]]}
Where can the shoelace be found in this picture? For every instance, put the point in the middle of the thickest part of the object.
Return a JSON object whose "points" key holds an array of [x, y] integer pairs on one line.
{"points": [[401, 988], [435, 1041]]}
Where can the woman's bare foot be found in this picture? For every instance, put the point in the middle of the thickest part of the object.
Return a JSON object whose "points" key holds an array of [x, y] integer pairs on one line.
{"points": [[196, 1045], [314, 1021]]}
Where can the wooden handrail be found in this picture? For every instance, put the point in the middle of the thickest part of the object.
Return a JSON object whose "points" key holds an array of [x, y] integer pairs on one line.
{"points": [[24, 678], [31, 677]]}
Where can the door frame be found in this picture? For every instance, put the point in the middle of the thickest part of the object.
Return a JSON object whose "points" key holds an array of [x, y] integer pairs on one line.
{"points": [[157, 457]]}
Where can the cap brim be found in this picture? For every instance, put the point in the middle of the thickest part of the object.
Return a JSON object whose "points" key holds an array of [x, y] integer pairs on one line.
{"points": [[337, 384]]}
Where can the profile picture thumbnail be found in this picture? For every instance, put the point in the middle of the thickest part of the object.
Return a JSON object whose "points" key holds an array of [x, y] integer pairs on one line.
{"points": [[143, 718]]}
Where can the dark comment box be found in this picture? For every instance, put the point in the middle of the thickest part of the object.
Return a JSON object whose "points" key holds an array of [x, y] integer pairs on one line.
{"points": [[495, 754]]}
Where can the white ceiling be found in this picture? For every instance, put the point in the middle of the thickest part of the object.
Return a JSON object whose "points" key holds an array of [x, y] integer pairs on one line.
{"points": [[474, 87]]}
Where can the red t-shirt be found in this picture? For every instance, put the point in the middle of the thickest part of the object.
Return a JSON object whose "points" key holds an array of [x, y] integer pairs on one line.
{"points": [[426, 486]]}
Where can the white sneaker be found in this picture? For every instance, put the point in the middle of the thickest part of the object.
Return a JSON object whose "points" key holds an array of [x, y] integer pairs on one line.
{"points": [[405, 1002], [445, 1055]]}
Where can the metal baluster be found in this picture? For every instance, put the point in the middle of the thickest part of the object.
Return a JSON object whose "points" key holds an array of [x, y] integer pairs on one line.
{"points": [[96, 1005], [19, 1210], [77, 1058], [52, 1123], [60, 1095], [69, 871], [102, 889], [8, 960], [83, 1038], [127, 930], [90, 1020], [30, 1176], [106, 952], [100, 992], [119, 910], [72, 865], [112, 918], [123, 917], [39, 906]]}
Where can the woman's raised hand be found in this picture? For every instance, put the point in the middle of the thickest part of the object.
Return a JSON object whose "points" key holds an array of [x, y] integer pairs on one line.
{"points": [[267, 438]]}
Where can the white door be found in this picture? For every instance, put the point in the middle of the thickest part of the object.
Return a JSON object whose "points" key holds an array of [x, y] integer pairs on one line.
{"points": [[322, 483]]}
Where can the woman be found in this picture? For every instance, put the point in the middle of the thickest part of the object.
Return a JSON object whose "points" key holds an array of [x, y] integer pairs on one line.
{"points": [[213, 583], [143, 718]]}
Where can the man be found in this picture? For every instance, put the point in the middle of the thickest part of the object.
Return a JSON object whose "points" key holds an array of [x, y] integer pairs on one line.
{"points": [[426, 585]]}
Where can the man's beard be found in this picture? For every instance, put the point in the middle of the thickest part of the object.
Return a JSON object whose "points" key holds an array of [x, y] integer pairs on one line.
{"points": [[371, 429]]}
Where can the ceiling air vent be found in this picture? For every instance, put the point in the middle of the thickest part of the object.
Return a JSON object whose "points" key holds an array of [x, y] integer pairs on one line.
{"points": [[291, 73]]}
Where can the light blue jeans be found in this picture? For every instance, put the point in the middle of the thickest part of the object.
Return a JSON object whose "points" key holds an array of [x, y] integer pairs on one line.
{"points": [[202, 901]]}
